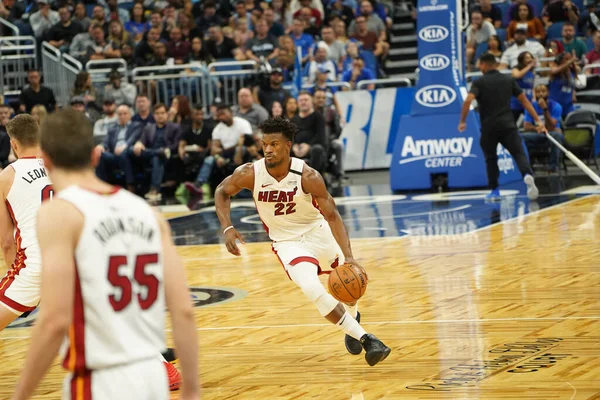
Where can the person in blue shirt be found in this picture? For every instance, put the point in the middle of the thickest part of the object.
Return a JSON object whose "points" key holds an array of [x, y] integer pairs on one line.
{"points": [[321, 84], [358, 73], [523, 74], [550, 113], [562, 82], [301, 39]]}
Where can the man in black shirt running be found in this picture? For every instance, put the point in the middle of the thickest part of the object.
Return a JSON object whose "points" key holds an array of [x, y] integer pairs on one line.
{"points": [[493, 92]]}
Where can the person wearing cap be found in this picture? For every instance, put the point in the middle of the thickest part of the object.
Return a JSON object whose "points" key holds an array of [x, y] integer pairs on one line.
{"points": [[78, 104], [321, 79], [358, 73], [510, 55], [525, 19], [118, 91], [43, 19], [107, 120], [321, 61], [480, 31]]}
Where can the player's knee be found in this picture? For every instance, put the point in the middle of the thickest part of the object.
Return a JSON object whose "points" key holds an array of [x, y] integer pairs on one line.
{"points": [[326, 304], [313, 291]]}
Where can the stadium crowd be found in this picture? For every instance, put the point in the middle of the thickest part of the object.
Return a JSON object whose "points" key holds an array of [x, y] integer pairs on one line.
{"points": [[148, 145]]}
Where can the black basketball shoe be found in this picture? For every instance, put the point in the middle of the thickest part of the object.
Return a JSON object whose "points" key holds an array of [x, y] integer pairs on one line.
{"points": [[376, 350], [352, 345]]}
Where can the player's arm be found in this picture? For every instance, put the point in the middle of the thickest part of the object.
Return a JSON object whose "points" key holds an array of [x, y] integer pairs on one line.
{"points": [[177, 296], [312, 182], [242, 178], [465, 110], [58, 285], [7, 239]]}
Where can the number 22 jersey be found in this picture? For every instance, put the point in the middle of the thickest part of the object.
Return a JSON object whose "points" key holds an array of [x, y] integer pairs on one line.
{"points": [[285, 210], [119, 304]]}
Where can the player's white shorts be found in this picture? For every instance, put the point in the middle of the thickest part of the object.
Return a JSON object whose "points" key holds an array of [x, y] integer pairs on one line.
{"points": [[146, 380], [317, 246], [20, 288]]}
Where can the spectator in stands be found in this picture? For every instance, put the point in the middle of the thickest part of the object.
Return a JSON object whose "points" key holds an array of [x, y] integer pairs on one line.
{"points": [[82, 41], [276, 30], [570, 43], [337, 49], [137, 25], [248, 150], [368, 40], [188, 26], [43, 20], [38, 113], [99, 17], [351, 53], [143, 112], [248, 109], [242, 34], [593, 56], [276, 109], [61, 34], [99, 46], [199, 53], [159, 56], [265, 96], [550, 113], [11, 10], [310, 142], [156, 22], [195, 144], [80, 16], [296, 5], [311, 15], [286, 62], [219, 46], [144, 51], [35, 93], [290, 108], [120, 136], [513, 9], [127, 55], [114, 12], [479, 32], [301, 39], [490, 13], [524, 75], [5, 148], [358, 73], [563, 74], [510, 55], [332, 132], [321, 61], [178, 48], [241, 13], [590, 21], [321, 80], [209, 17], [118, 91], [338, 9], [535, 28], [180, 111], [560, 11], [117, 37], [107, 120], [554, 48], [225, 137], [495, 47], [77, 103], [374, 23], [262, 45], [155, 146], [339, 29], [281, 12]]}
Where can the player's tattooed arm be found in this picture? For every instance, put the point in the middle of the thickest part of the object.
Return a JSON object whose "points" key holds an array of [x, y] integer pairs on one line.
{"points": [[242, 178], [312, 182]]}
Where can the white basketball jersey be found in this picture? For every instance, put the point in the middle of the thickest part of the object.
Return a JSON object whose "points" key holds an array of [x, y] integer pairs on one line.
{"points": [[285, 210], [119, 308], [30, 187]]}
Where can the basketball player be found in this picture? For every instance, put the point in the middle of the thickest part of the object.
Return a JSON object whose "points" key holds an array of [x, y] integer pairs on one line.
{"points": [[302, 220], [24, 184], [109, 270]]}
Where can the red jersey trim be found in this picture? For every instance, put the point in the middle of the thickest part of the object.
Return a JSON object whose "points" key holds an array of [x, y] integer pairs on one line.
{"points": [[75, 358]]}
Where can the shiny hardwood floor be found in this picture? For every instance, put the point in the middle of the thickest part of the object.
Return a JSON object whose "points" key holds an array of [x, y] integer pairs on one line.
{"points": [[510, 311]]}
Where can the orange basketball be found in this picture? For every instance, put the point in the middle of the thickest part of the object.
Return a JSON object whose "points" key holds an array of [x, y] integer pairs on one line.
{"points": [[347, 283]]}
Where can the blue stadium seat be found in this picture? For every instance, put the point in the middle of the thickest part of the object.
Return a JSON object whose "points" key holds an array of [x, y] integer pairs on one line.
{"points": [[370, 61], [579, 4], [501, 34], [554, 31], [89, 9], [589, 43], [537, 5], [504, 6], [127, 6], [481, 48]]}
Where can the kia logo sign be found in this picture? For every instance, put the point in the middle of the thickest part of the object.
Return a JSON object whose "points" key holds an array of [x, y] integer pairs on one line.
{"points": [[434, 62], [433, 33], [435, 96]]}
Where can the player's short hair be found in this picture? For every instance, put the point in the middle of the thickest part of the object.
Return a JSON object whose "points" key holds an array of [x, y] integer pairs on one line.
{"points": [[279, 125], [488, 58], [68, 140], [24, 129]]}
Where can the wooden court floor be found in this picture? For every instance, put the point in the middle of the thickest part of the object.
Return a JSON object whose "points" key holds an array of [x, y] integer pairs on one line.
{"points": [[510, 311]]}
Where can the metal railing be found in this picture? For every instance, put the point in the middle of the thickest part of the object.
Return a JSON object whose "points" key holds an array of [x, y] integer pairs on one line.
{"points": [[99, 69], [6, 24], [54, 73], [71, 68], [18, 54], [366, 82], [228, 77], [591, 66]]}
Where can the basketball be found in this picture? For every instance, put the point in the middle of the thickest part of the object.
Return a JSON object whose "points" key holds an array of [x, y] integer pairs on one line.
{"points": [[347, 283]]}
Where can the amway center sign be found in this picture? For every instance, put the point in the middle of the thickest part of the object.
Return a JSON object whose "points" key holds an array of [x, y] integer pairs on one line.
{"points": [[436, 153]]}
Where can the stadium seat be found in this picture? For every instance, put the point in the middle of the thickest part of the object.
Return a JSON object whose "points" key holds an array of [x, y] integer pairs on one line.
{"points": [[504, 6], [480, 49], [580, 5], [554, 31], [89, 9], [537, 5], [126, 6], [501, 34], [370, 61], [579, 131]]}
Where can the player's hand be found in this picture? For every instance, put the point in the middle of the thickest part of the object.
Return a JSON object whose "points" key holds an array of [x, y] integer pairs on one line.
{"points": [[541, 128], [353, 262], [230, 238], [462, 126]]}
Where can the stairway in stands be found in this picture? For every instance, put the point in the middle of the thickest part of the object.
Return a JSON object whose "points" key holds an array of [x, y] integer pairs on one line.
{"points": [[403, 60]]}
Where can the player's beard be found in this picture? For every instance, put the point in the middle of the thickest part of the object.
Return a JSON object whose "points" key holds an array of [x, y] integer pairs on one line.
{"points": [[273, 163]]}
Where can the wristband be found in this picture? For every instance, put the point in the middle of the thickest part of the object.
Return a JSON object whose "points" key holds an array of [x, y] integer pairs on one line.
{"points": [[228, 228]]}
